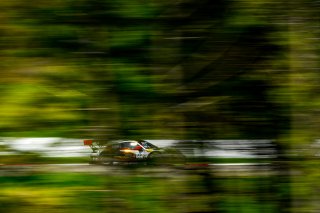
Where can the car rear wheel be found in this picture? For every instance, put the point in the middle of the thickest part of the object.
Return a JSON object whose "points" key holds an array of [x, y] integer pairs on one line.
{"points": [[105, 158]]}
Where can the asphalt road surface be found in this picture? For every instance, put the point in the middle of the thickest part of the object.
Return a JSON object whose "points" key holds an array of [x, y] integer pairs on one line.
{"points": [[218, 169]]}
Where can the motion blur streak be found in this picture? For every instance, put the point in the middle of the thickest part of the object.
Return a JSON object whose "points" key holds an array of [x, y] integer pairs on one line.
{"points": [[214, 76]]}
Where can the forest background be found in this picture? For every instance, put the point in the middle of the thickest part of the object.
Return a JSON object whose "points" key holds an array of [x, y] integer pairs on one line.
{"points": [[164, 69]]}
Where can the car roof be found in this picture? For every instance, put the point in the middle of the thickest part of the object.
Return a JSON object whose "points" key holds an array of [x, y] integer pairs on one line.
{"points": [[126, 141]]}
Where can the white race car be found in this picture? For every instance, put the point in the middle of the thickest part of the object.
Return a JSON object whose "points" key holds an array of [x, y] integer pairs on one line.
{"points": [[135, 151]]}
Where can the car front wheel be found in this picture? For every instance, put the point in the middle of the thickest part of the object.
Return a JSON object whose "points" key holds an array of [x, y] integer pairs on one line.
{"points": [[155, 158]]}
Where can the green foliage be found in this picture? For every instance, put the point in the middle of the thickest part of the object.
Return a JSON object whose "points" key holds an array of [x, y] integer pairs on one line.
{"points": [[140, 61], [162, 69], [132, 191]]}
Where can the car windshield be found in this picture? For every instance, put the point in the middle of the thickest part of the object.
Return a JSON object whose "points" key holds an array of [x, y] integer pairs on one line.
{"points": [[148, 145]]}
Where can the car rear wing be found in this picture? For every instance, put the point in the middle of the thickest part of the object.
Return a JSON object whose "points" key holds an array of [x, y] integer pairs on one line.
{"points": [[92, 144], [87, 142]]}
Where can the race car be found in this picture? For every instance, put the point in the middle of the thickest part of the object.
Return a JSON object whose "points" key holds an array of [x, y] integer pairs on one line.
{"points": [[135, 151]]}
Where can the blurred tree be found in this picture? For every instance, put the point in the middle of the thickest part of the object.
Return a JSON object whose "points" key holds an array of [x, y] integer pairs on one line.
{"points": [[303, 26], [223, 58], [146, 70]]}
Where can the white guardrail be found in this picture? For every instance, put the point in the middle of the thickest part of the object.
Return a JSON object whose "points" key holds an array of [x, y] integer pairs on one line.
{"points": [[70, 147]]}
